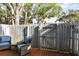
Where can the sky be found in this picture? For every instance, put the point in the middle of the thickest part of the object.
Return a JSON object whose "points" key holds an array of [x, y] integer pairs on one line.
{"points": [[66, 6]]}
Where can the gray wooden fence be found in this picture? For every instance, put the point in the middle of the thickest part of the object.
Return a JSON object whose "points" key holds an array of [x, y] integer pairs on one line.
{"points": [[60, 37]]}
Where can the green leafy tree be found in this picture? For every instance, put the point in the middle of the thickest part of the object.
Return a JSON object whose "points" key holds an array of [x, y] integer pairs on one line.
{"points": [[44, 10], [10, 13], [13, 12], [71, 17], [2, 14], [26, 12]]}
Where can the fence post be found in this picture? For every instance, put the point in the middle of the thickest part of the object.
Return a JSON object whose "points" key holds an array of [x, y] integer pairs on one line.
{"points": [[35, 41], [72, 33]]}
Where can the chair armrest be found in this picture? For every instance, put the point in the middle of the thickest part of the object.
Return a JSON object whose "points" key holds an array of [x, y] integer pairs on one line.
{"points": [[27, 46]]}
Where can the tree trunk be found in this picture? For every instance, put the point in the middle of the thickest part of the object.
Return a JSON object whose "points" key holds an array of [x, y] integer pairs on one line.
{"points": [[13, 22], [17, 14], [26, 18], [12, 12]]}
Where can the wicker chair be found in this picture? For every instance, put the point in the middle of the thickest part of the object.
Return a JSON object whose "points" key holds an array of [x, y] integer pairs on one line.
{"points": [[24, 46]]}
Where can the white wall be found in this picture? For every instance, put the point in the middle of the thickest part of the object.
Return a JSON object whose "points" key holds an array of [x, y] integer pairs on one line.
{"points": [[5, 29]]}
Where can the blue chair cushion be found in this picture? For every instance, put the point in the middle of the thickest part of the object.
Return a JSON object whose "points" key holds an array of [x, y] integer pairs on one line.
{"points": [[4, 44], [27, 40], [5, 38]]}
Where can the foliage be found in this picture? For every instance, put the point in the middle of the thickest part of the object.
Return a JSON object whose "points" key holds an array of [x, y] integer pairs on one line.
{"points": [[71, 17], [39, 11], [2, 15], [44, 10], [1, 12], [26, 11]]}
